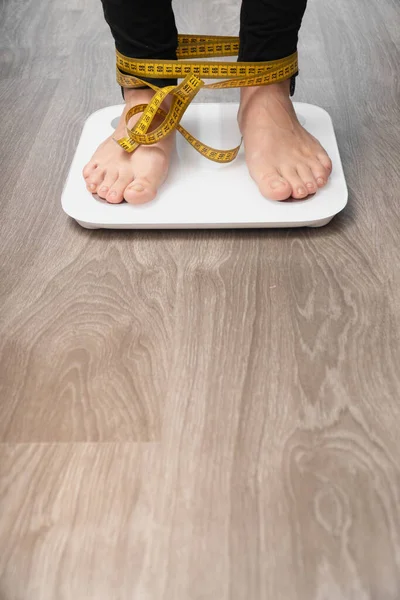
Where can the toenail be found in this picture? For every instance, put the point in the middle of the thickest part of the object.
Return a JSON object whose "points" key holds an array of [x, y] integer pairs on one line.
{"points": [[113, 194], [310, 186], [104, 190], [301, 190], [91, 186], [277, 183], [320, 181], [137, 187]]}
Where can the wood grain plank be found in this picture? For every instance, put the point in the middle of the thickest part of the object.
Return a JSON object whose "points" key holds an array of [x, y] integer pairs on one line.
{"points": [[95, 368], [60, 527]]}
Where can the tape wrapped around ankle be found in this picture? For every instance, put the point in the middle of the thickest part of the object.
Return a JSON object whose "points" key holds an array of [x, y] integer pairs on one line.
{"points": [[231, 74]]}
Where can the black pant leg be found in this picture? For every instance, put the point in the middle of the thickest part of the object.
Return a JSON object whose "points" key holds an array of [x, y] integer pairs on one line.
{"points": [[143, 29], [269, 30]]}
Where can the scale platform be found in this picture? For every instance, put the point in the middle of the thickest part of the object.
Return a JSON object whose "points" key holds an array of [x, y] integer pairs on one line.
{"points": [[200, 193]]}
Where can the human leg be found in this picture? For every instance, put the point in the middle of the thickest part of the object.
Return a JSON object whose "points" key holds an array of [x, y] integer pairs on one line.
{"points": [[141, 29], [283, 158]]}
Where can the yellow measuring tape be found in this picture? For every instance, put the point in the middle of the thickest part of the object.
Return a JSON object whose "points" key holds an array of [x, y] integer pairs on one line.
{"points": [[233, 75]]}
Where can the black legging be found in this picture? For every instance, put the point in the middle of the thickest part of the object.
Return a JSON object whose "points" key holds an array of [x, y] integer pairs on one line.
{"points": [[146, 29]]}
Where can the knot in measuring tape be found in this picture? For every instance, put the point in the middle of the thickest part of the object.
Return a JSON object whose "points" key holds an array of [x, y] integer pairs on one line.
{"points": [[233, 75]]}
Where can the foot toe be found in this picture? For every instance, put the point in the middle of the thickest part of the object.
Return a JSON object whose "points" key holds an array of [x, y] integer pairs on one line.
{"points": [[115, 195], [275, 187], [95, 179], [140, 191], [321, 174], [109, 180], [307, 178], [150, 170], [325, 161], [89, 169], [299, 189]]}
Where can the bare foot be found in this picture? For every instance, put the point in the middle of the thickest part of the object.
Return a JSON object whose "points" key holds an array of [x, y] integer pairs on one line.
{"points": [[115, 174], [283, 158]]}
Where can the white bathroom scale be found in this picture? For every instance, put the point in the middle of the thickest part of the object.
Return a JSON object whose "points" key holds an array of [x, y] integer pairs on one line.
{"points": [[198, 192]]}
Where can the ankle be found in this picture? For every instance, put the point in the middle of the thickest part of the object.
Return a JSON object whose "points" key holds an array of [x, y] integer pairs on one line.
{"points": [[136, 96], [254, 96], [275, 89]]}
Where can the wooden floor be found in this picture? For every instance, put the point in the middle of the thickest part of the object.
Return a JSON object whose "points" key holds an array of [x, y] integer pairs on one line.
{"points": [[198, 415]]}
